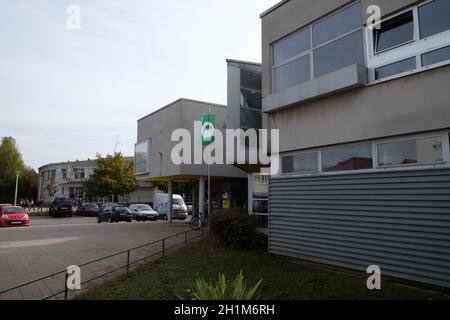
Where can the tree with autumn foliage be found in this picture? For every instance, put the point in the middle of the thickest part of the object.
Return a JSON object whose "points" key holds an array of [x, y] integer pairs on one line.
{"points": [[113, 175]]}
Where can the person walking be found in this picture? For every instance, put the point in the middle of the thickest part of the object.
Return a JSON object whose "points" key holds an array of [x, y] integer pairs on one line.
{"points": [[32, 205]]}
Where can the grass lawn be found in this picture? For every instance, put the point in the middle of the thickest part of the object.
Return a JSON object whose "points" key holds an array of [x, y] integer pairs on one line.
{"points": [[283, 279]]}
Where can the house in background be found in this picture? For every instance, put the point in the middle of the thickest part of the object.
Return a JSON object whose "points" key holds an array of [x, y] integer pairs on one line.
{"points": [[364, 120], [70, 176]]}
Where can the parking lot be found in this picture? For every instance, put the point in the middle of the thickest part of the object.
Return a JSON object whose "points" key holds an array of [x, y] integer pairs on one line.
{"points": [[50, 245]]}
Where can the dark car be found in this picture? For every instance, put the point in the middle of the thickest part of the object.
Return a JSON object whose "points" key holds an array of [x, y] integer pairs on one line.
{"points": [[61, 208], [115, 214], [88, 209]]}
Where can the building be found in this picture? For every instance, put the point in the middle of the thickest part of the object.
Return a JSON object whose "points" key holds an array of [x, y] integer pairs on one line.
{"points": [[364, 119], [69, 178], [244, 111], [154, 164]]}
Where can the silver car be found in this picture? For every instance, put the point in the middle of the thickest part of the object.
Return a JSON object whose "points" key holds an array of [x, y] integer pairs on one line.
{"points": [[143, 212]]}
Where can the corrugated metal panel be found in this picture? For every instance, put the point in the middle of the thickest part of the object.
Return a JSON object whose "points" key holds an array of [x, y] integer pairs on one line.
{"points": [[398, 220]]}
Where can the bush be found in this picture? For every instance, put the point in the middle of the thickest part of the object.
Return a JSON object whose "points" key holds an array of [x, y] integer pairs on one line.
{"points": [[221, 290], [235, 228]]}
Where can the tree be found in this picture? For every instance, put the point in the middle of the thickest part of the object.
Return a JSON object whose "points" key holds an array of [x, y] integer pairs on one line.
{"points": [[28, 183], [52, 187], [113, 175], [11, 163]]}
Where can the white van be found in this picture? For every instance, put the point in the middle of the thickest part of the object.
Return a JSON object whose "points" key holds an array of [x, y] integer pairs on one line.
{"points": [[179, 211]]}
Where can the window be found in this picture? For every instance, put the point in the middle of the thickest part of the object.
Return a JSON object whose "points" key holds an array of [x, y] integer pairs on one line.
{"points": [[142, 157], [418, 151], [434, 18], [389, 56], [395, 68], [337, 43], [354, 157], [338, 24], [251, 100], [287, 164], [291, 47], [64, 174], [79, 173], [394, 32], [293, 73], [339, 54], [436, 56]]}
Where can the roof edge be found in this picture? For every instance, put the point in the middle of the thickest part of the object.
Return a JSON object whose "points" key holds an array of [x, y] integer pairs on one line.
{"points": [[276, 6], [180, 100]]}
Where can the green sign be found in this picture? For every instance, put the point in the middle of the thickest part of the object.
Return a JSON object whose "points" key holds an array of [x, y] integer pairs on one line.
{"points": [[208, 127]]}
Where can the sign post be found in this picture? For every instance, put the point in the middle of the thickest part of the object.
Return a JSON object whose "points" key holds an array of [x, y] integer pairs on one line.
{"points": [[207, 133]]}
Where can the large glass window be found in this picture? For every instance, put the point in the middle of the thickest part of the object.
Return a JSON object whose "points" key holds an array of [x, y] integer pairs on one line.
{"points": [[251, 119], [142, 157], [300, 163], [395, 68], [339, 54], [291, 46], [293, 73], [337, 43], [394, 32], [436, 56], [418, 151], [434, 18], [338, 24], [355, 157]]}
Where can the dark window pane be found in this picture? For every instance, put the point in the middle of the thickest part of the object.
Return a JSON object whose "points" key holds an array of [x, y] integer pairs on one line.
{"points": [[251, 80], [434, 18], [420, 151], [339, 54], [436, 56], [262, 220], [287, 164], [293, 73], [251, 119], [261, 186], [307, 162], [395, 68], [394, 32], [338, 24], [292, 46], [251, 99], [347, 158], [261, 206]]}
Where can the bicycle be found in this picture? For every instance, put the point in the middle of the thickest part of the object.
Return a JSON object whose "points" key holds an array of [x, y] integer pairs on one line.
{"points": [[198, 222]]}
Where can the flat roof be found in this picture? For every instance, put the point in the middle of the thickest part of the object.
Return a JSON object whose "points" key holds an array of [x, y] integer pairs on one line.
{"points": [[179, 100], [258, 64], [81, 163], [276, 6]]}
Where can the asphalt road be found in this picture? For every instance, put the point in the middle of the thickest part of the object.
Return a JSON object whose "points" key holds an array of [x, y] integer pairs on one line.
{"points": [[50, 245]]}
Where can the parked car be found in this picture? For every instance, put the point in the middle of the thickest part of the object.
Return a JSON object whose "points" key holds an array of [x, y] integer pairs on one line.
{"points": [[105, 205], [61, 208], [179, 208], [88, 209], [114, 214], [5, 205], [13, 216], [143, 212]]}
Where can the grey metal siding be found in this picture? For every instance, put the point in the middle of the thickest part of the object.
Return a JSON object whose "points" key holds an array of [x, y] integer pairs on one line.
{"points": [[399, 221]]}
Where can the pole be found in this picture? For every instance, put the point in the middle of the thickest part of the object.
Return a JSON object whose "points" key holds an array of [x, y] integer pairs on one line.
{"points": [[209, 191], [17, 185]]}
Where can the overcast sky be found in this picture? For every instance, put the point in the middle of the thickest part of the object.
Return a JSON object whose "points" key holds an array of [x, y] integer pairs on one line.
{"points": [[66, 94]]}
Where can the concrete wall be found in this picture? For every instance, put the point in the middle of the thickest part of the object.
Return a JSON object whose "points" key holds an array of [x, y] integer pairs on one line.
{"points": [[416, 103], [180, 114], [420, 102]]}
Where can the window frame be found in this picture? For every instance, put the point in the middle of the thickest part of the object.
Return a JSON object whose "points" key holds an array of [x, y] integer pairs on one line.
{"points": [[415, 48], [444, 134], [312, 47], [422, 137]]}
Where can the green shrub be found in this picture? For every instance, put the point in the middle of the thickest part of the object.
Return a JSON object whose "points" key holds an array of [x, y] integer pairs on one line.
{"points": [[234, 228], [221, 290]]}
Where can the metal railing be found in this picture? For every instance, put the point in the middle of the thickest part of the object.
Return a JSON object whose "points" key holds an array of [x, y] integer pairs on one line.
{"points": [[162, 252]]}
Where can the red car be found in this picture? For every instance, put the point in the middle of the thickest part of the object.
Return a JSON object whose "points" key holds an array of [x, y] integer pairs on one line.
{"points": [[12, 216]]}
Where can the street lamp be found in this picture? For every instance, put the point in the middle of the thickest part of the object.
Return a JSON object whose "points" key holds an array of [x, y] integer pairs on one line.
{"points": [[17, 185]]}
